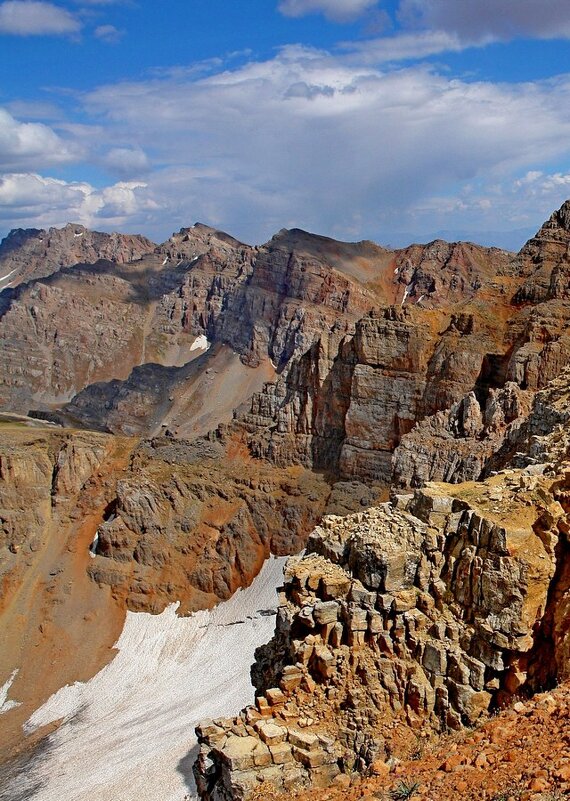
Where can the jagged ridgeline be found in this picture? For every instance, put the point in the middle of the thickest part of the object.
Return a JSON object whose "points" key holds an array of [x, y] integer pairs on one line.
{"points": [[174, 413]]}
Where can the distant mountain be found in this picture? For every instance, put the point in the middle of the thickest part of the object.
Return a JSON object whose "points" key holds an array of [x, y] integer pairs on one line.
{"points": [[30, 253], [507, 240]]}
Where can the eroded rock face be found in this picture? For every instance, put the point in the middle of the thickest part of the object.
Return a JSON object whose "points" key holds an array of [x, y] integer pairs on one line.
{"points": [[347, 391], [461, 443], [422, 613], [41, 477], [189, 524]]}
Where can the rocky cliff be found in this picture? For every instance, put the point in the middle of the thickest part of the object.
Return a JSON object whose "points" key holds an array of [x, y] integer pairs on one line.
{"points": [[420, 615], [299, 303], [347, 351]]}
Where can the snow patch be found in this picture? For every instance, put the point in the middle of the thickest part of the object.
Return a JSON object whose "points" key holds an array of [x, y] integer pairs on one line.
{"points": [[396, 271], [200, 343], [6, 705], [419, 300], [406, 293], [129, 732], [79, 234], [93, 546], [165, 261]]}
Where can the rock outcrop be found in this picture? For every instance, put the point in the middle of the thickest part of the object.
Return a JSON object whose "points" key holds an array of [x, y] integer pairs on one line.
{"points": [[423, 614], [461, 443]]}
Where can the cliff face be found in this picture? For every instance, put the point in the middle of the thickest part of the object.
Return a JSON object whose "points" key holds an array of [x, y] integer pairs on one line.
{"points": [[54, 488], [293, 303], [419, 616], [422, 615], [191, 524], [346, 348]]}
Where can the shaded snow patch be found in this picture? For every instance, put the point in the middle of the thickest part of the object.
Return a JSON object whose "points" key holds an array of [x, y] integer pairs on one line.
{"points": [[129, 731]]}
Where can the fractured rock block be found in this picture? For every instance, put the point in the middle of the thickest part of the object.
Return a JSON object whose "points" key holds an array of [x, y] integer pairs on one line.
{"points": [[375, 622], [238, 752], [326, 612], [336, 586], [335, 638], [270, 732], [303, 739], [435, 658], [358, 619], [323, 661], [275, 696], [281, 753], [290, 678], [324, 775]]}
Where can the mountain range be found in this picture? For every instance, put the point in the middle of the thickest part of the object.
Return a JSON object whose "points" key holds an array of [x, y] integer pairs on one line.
{"points": [[173, 414]]}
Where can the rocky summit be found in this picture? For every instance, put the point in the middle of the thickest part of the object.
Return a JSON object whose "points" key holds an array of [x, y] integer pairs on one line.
{"points": [[397, 421]]}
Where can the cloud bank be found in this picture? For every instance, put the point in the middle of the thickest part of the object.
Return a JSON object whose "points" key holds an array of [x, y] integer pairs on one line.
{"points": [[348, 143], [36, 18], [474, 20]]}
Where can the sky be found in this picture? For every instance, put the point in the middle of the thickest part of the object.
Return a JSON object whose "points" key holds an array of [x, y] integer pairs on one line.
{"points": [[391, 120]]}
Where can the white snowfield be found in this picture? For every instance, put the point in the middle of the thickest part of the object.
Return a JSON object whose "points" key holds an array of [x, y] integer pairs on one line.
{"points": [[128, 733]]}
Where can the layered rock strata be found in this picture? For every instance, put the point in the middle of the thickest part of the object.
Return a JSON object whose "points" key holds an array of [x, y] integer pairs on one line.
{"points": [[421, 615]]}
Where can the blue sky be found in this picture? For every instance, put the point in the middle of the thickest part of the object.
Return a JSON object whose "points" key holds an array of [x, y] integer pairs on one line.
{"points": [[393, 121]]}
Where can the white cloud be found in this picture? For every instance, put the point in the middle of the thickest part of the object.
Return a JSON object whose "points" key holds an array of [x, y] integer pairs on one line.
{"points": [[31, 144], [476, 20], [36, 18], [404, 46], [337, 10], [328, 143], [29, 199], [332, 143], [108, 33]]}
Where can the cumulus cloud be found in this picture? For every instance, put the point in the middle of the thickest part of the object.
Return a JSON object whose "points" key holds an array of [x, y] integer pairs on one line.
{"points": [[337, 10], [32, 199], [32, 144], [475, 20], [36, 18], [108, 33], [327, 143]]}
